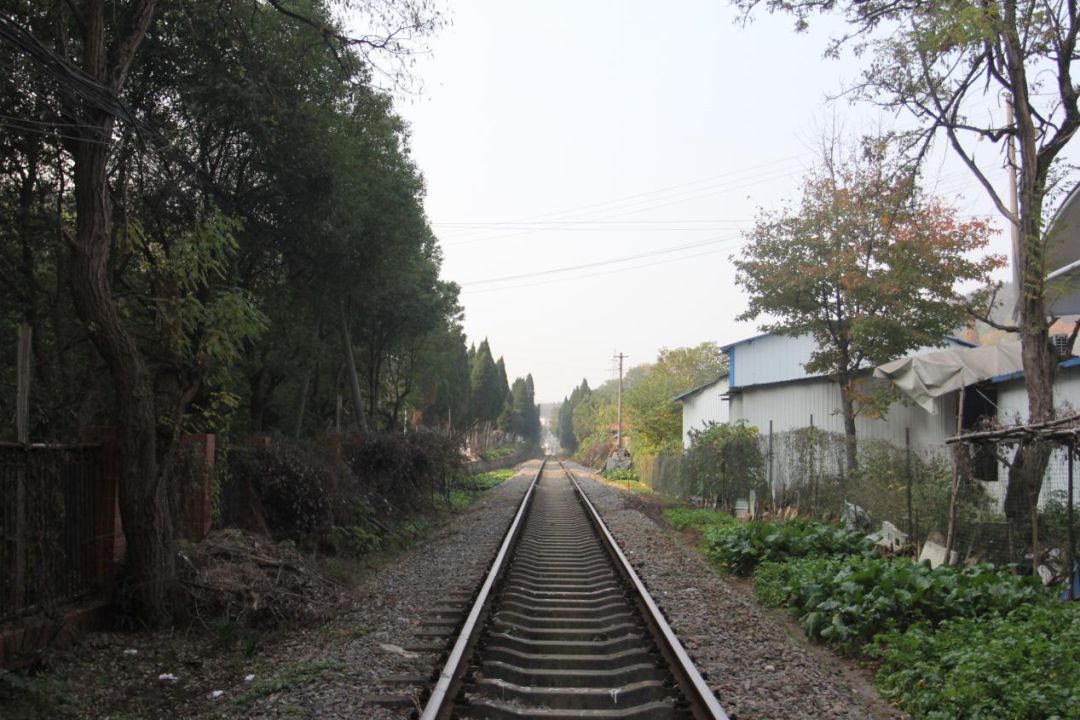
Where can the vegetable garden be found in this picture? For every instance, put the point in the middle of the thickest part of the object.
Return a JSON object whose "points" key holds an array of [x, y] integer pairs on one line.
{"points": [[973, 642]]}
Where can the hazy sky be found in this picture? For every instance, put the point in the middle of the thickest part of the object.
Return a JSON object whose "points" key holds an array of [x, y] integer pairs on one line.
{"points": [[631, 141]]}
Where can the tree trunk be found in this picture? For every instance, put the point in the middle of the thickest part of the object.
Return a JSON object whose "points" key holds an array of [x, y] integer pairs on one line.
{"points": [[1031, 459], [144, 498], [847, 407], [354, 380], [301, 403]]}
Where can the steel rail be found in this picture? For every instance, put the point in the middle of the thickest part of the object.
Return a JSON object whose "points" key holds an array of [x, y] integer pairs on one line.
{"points": [[441, 702], [694, 688]]}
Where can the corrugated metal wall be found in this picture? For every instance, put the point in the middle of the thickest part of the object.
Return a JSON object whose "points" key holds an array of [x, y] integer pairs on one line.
{"points": [[780, 358], [705, 406], [790, 407], [1013, 408], [770, 358]]}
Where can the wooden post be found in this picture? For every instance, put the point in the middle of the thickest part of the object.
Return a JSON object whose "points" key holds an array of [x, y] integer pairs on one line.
{"points": [[950, 537], [22, 391], [908, 478], [1070, 539], [22, 435], [772, 480]]}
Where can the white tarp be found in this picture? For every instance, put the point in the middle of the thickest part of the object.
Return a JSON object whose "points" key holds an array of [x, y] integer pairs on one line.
{"points": [[925, 377]]}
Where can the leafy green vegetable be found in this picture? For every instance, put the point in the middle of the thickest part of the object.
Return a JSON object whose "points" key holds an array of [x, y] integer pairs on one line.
{"points": [[740, 548], [1023, 665], [846, 602]]}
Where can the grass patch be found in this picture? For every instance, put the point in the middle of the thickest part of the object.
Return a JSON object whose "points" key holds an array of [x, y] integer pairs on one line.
{"points": [[628, 478], [499, 452], [688, 518], [467, 492], [488, 480], [289, 677]]}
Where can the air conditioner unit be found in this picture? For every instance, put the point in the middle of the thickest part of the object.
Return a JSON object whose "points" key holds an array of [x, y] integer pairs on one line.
{"points": [[1060, 344]]}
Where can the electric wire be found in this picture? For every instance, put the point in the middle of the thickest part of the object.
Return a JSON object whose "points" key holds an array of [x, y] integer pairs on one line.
{"points": [[607, 261]]}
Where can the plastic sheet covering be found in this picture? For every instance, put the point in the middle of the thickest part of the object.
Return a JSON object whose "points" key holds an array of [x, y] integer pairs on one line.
{"points": [[930, 375]]}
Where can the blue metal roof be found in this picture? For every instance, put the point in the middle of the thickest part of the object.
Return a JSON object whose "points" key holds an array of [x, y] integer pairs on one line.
{"points": [[682, 396], [1019, 374]]}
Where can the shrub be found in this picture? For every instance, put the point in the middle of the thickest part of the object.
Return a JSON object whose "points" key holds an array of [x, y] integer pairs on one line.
{"points": [[621, 475], [300, 494], [409, 471], [1023, 665], [297, 494], [741, 547], [723, 463]]}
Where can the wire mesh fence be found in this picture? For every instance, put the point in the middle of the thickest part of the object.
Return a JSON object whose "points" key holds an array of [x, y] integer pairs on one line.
{"points": [[966, 499], [51, 532]]}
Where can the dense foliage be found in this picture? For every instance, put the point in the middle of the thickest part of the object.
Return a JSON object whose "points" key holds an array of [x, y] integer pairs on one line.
{"points": [[723, 464], [564, 426], [212, 223], [299, 494], [867, 265], [652, 420]]}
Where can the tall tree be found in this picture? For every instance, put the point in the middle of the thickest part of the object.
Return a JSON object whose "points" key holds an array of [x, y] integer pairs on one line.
{"points": [[106, 97], [869, 266], [942, 62], [655, 417], [487, 392], [565, 425]]}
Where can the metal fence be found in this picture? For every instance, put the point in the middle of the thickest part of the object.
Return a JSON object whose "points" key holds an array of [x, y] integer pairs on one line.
{"points": [[54, 542], [922, 490]]}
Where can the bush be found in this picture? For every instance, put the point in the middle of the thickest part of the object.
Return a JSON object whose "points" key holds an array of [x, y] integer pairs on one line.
{"points": [[740, 548], [300, 494], [1023, 665], [848, 602], [409, 471], [723, 463], [292, 493], [621, 475]]}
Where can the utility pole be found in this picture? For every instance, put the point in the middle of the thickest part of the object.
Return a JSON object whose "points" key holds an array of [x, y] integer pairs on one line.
{"points": [[620, 358]]}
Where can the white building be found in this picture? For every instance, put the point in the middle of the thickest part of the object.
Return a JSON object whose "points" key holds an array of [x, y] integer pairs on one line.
{"points": [[703, 405], [1010, 394], [770, 389]]}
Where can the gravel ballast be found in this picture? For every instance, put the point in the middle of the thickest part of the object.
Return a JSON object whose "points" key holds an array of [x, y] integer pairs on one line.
{"points": [[748, 656], [751, 662]]}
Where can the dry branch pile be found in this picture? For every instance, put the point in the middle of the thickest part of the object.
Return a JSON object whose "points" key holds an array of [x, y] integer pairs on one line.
{"points": [[243, 578]]}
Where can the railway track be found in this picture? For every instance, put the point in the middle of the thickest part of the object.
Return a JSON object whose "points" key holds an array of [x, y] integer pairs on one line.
{"points": [[563, 628]]}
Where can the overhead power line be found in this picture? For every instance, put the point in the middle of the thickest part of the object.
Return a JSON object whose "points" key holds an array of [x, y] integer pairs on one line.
{"points": [[605, 262], [602, 273]]}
